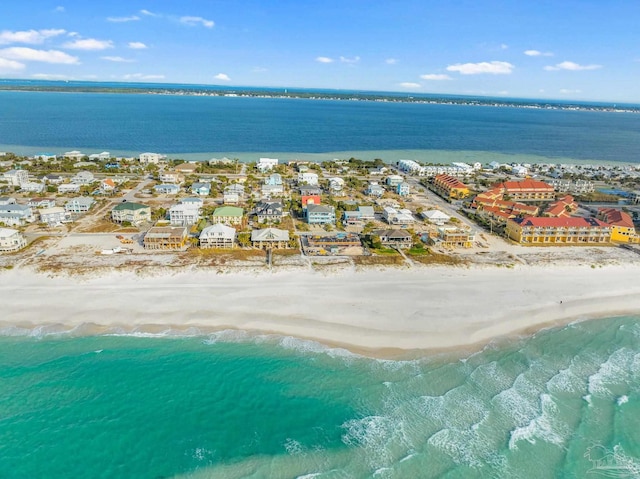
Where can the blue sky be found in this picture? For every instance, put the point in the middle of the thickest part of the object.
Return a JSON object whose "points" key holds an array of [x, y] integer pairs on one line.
{"points": [[565, 49]]}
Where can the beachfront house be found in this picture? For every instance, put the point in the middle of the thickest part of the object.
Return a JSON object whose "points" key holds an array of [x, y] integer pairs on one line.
{"points": [[186, 213], [269, 191], [436, 217], [78, 205], [218, 236], [32, 187], [104, 156], [454, 237], [274, 179], [171, 177], [397, 216], [74, 155], [336, 184], [266, 164], [394, 238], [54, 216], [166, 238], [374, 190], [83, 178], [393, 181], [16, 215], [16, 177], [308, 178], [320, 214], [134, 213], [107, 186], [41, 202], [228, 215], [270, 238], [201, 188], [52, 179], [269, 212], [166, 189], [233, 194], [11, 240], [151, 158], [7, 200], [403, 189], [68, 188], [308, 190], [186, 168]]}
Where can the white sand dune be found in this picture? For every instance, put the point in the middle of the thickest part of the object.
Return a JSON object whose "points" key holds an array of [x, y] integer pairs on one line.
{"points": [[371, 312]]}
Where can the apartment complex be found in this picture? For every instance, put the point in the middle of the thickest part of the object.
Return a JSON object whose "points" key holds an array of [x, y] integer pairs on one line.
{"points": [[558, 230]]}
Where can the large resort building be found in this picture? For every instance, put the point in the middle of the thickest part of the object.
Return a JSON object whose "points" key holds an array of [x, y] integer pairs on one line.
{"points": [[450, 187], [558, 230], [527, 190]]}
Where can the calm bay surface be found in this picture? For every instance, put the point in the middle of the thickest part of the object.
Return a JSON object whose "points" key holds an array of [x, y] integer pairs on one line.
{"points": [[202, 126]]}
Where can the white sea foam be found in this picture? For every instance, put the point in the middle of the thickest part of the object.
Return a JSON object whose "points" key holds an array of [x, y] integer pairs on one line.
{"points": [[519, 401], [619, 368], [463, 447], [293, 447], [622, 400], [547, 426]]}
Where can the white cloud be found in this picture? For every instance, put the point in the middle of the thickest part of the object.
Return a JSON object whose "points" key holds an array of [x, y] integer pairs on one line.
{"points": [[49, 76], [493, 68], [118, 59], [391, 61], [259, 70], [31, 54], [137, 45], [537, 53], [59, 9], [89, 44], [33, 37], [142, 76], [435, 77], [349, 60], [222, 77], [504, 46], [571, 66], [567, 91], [410, 85], [194, 21], [132, 18], [148, 13], [324, 60], [10, 65]]}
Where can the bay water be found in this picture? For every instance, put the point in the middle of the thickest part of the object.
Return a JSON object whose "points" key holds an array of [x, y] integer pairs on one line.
{"points": [[199, 127]]}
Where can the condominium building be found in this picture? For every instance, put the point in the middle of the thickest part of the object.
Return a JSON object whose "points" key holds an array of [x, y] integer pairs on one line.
{"points": [[558, 230]]}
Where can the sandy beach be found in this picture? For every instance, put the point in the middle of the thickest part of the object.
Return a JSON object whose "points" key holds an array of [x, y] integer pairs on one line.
{"points": [[376, 312]]}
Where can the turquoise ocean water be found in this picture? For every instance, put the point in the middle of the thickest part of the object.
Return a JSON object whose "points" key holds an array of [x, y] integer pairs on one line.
{"points": [[564, 403]]}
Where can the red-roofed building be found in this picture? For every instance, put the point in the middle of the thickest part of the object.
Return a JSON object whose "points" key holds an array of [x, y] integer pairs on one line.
{"points": [[559, 230], [527, 190], [563, 207], [450, 187], [310, 200], [622, 228]]}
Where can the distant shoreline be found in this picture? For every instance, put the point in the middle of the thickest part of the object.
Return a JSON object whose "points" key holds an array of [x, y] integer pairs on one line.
{"points": [[320, 95], [388, 156]]}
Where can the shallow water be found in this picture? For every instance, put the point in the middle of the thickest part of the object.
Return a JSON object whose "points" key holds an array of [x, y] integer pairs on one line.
{"points": [[232, 405]]}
